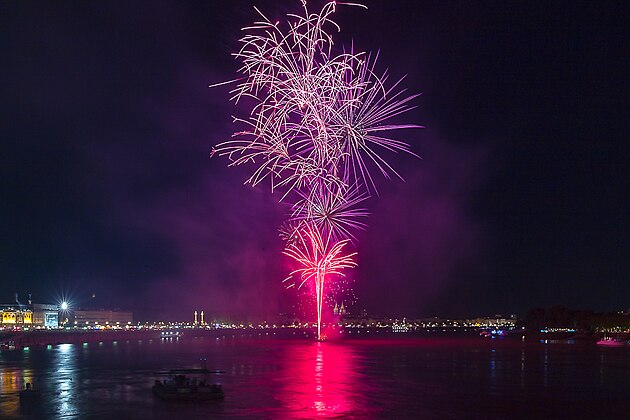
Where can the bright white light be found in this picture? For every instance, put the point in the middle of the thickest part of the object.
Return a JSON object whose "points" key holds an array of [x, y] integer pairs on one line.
{"points": [[64, 306]]}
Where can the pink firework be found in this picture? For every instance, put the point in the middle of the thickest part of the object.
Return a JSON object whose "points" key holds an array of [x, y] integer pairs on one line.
{"points": [[318, 259], [318, 124]]}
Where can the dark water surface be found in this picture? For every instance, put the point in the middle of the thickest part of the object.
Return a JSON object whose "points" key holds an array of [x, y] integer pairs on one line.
{"points": [[297, 378]]}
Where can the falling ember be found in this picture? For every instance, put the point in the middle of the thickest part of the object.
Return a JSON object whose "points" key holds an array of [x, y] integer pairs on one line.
{"points": [[318, 125]]}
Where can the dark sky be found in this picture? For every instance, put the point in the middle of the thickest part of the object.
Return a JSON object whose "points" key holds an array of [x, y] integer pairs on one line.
{"points": [[521, 198]]}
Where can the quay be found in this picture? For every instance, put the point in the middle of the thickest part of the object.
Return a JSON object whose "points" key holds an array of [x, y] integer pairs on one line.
{"points": [[20, 339]]}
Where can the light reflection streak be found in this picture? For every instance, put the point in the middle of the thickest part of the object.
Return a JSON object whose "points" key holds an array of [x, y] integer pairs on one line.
{"points": [[522, 375], [12, 381], [65, 384], [493, 372], [323, 380], [10, 384], [546, 368]]}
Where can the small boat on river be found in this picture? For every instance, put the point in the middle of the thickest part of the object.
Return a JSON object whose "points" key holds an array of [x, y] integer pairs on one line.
{"points": [[29, 394], [613, 342], [183, 388]]}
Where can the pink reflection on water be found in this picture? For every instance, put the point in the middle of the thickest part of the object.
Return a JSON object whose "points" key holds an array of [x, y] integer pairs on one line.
{"points": [[323, 380]]}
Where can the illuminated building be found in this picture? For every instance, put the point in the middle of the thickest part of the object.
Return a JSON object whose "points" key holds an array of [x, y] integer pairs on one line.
{"points": [[196, 322], [16, 316], [101, 317], [31, 315], [46, 315]]}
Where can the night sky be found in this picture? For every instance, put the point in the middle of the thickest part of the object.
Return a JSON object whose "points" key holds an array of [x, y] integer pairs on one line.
{"points": [[521, 198]]}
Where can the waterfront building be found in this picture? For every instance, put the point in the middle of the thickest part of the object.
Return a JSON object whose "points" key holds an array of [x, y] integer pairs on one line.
{"points": [[46, 315], [14, 315], [101, 317], [31, 315], [494, 322]]}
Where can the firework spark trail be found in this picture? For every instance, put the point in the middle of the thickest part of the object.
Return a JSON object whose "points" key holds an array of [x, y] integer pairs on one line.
{"points": [[332, 209], [318, 124]]}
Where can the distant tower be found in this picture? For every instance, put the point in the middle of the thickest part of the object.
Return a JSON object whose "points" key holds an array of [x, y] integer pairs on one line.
{"points": [[342, 310], [336, 310], [202, 321], [195, 323]]}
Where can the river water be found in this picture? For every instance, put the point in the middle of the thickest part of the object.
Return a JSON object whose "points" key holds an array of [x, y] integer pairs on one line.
{"points": [[280, 378]]}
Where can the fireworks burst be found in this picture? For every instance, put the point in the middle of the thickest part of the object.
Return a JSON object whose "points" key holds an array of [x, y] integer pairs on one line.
{"points": [[318, 259], [317, 126]]}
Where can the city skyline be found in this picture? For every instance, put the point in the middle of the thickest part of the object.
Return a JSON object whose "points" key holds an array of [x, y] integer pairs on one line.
{"points": [[520, 199]]}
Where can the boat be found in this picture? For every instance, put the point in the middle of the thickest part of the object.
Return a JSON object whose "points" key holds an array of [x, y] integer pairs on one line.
{"points": [[182, 388], [493, 333], [171, 334], [613, 342], [7, 345], [29, 394]]}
